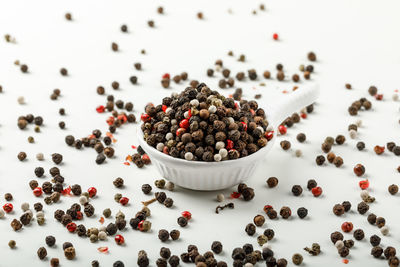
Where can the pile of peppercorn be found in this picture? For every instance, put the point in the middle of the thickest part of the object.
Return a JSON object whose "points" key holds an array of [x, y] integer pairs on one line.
{"points": [[200, 124]]}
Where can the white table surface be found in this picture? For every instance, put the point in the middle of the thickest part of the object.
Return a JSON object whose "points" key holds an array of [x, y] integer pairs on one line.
{"points": [[355, 42]]}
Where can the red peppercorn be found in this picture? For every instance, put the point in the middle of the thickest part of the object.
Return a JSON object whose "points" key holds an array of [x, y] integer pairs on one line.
{"points": [[316, 191], [180, 131], [379, 149], [140, 225], [164, 108], [269, 135], [166, 76], [184, 124], [100, 109], [364, 184], [92, 191], [79, 215], [282, 129], [229, 144], [235, 195], [110, 120], [71, 227], [8, 207], [275, 36], [166, 150], [187, 214], [37, 191], [145, 117], [303, 115], [347, 227], [189, 113], [244, 125], [123, 201], [379, 96], [146, 159], [119, 239]]}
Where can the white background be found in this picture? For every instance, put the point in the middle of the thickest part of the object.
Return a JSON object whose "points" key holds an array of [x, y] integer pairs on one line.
{"points": [[355, 42]]}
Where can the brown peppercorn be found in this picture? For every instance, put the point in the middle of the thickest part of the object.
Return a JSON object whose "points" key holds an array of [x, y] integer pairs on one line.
{"points": [[64, 71], [338, 209], [280, 75], [272, 182], [114, 47], [311, 56], [69, 253], [259, 220], [330, 157], [24, 68], [175, 234], [379, 149], [42, 253], [340, 139], [301, 137], [285, 145], [389, 252], [372, 90], [338, 161], [54, 262], [326, 147], [377, 251], [68, 16], [380, 222], [21, 156], [285, 212], [267, 74], [393, 189], [16, 225]]}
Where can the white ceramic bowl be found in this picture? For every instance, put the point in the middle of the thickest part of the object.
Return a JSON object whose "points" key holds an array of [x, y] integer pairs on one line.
{"points": [[207, 176]]}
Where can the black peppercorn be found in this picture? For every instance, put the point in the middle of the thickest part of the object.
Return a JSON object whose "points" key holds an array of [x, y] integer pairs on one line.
{"points": [[302, 212], [175, 234], [358, 234], [285, 212], [163, 235], [311, 184], [346, 205], [375, 240], [297, 190], [50, 240], [182, 221], [362, 207], [250, 229], [371, 218], [338, 209], [57, 158], [118, 264], [248, 193], [301, 137], [320, 159], [173, 261], [118, 182], [216, 247], [335, 236]]}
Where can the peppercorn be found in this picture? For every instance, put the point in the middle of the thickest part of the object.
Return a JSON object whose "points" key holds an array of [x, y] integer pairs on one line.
{"points": [[362, 207], [375, 240], [168, 202], [182, 221], [259, 220], [285, 145], [118, 182], [16, 225], [343, 252], [326, 147], [12, 244], [160, 183], [50, 240], [163, 235], [8, 196], [393, 189], [21, 156], [248, 193], [389, 252], [57, 158], [301, 137], [76, 189], [358, 234], [340, 139], [285, 212], [297, 259], [297, 190], [380, 222], [335, 236], [320, 159], [396, 150], [272, 182], [42, 253], [250, 229]]}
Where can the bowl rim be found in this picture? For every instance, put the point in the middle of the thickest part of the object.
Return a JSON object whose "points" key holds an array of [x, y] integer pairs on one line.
{"points": [[165, 157]]}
